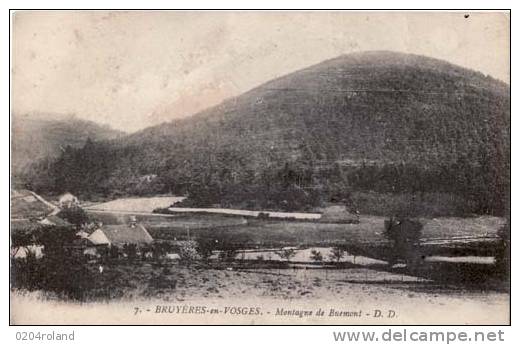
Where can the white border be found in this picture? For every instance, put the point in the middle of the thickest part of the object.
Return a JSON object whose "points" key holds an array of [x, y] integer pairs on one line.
{"points": [[228, 335]]}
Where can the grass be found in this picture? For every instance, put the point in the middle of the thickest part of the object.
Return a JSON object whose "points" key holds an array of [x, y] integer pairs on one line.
{"points": [[28, 207], [128, 280], [254, 233], [265, 233], [412, 204]]}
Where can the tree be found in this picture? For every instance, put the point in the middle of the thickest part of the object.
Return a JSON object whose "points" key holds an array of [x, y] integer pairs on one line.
{"points": [[404, 234], [503, 253], [188, 251], [146, 251], [336, 254], [114, 252], [57, 241], [26, 272], [130, 249], [160, 249], [205, 247], [74, 215], [286, 254], [24, 234], [63, 269], [316, 256]]}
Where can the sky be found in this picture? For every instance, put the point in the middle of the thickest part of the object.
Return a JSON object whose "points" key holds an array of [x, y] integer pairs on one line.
{"points": [[131, 70]]}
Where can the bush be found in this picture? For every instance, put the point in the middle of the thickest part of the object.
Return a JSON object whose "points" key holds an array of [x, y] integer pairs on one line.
{"points": [[160, 249], [188, 251], [227, 254], [69, 277], [503, 255], [205, 247], [161, 281], [26, 273], [61, 270], [316, 256], [74, 215], [286, 254], [337, 253], [130, 249]]}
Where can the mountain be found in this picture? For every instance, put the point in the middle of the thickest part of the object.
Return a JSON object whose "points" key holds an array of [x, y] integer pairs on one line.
{"points": [[370, 106], [376, 122], [36, 136]]}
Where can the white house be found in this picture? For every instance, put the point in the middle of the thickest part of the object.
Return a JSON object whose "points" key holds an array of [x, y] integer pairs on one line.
{"points": [[68, 200], [55, 221], [119, 235]]}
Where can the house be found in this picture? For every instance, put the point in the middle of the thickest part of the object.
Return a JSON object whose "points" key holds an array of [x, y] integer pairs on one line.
{"points": [[24, 234], [68, 200], [147, 178], [54, 220], [121, 234], [24, 252], [338, 213], [82, 234]]}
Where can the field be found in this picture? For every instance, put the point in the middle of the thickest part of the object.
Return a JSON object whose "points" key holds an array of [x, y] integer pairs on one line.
{"points": [[136, 204], [26, 205], [473, 238], [477, 235], [258, 277], [124, 286]]}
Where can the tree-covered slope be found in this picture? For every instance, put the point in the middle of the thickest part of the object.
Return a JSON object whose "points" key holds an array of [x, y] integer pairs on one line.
{"points": [[35, 137], [378, 122]]}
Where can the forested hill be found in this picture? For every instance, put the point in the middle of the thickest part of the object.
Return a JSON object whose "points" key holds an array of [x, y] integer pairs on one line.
{"points": [[374, 106], [40, 136], [378, 122]]}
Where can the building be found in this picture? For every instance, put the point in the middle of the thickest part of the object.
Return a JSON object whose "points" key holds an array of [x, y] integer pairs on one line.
{"points": [[120, 235], [68, 200], [338, 213], [24, 235], [53, 220]]}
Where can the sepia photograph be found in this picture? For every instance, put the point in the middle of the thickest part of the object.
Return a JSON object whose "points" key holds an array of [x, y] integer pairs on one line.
{"points": [[260, 167]]}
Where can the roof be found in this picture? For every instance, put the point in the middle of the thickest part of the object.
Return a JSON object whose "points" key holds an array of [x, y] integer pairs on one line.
{"points": [[82, 234], [98, 237], [67, 195], [121, 234], [56, 221]]}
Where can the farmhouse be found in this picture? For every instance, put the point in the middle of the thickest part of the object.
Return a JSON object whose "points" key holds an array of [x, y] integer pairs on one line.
{"points": [[53, 220], [23, 237], [25, 229], [23, 252], [68, 200], [121, 234], [337, 213]]}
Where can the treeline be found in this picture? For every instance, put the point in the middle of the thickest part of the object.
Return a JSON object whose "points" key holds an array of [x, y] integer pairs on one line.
{"points": [[478, 182]]}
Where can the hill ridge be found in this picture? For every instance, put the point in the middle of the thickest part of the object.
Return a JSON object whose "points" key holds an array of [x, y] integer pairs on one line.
{"points": [[298, 132]]}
